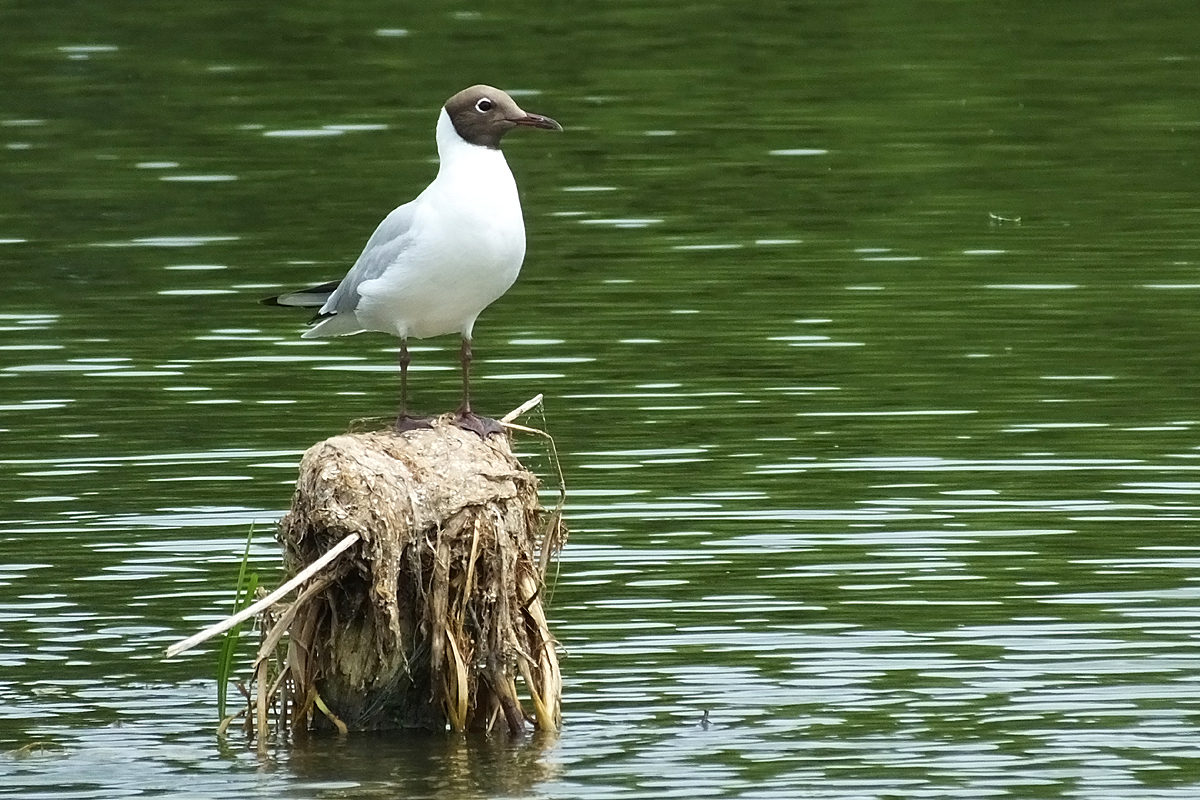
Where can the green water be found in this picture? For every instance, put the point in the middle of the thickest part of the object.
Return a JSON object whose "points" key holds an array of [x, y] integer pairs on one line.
{"points": [[868, 338]]}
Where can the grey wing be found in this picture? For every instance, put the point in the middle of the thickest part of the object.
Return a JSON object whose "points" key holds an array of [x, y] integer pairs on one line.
{"points": [[390, 239]]}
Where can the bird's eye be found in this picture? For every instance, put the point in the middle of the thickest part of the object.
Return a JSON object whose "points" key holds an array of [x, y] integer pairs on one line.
{"points": [[484, 105]]}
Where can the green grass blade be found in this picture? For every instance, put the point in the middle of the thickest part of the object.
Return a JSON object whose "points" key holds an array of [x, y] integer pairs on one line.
{"points": [[247, 585]]}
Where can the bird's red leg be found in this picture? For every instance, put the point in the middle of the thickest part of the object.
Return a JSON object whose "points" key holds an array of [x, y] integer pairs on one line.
{"points": [[466, 418], [404, 421]]}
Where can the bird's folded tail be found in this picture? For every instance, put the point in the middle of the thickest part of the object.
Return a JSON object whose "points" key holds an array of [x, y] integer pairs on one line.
{"points": [[312, 297], [327, 324]]}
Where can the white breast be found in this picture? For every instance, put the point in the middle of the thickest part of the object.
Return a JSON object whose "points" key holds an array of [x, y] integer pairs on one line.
{"points": [[467, 245]]}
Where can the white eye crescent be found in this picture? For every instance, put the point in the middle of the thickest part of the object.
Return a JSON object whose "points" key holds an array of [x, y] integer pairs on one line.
{"points": [[484, 105]]}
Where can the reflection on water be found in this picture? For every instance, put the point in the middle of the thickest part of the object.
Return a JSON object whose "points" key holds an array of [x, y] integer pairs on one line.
{"points": [[852, 643], [871, 369]]}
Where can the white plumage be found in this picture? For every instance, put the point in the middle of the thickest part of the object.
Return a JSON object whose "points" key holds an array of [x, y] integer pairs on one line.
{"points": [[436, 262]]}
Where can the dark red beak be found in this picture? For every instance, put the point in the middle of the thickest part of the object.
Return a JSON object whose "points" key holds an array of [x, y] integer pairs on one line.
{"points": [[537, 121]]}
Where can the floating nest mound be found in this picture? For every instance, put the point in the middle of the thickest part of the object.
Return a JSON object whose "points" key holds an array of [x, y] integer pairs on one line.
{"points": [[429, 618]]}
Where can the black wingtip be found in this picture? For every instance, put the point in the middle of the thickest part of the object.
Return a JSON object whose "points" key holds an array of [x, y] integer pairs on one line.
{"points": [[312, 297]]}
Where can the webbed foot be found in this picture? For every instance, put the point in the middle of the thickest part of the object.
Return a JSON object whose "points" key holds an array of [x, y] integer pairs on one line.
{"points": [[406, 422], [483, 426]]}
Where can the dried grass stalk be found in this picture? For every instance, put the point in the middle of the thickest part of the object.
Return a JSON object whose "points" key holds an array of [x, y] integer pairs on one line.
{"points": [[427, 621]]}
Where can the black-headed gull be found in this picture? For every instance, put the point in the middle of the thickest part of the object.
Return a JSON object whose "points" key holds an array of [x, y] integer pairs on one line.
{"points": [[436, 262]]}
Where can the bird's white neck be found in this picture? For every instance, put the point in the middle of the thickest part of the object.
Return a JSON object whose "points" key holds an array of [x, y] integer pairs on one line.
{"points": [[451, 146], [483, 169]]}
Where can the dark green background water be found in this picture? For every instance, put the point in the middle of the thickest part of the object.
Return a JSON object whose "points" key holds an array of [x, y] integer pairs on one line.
{"points": [[868, 339]]}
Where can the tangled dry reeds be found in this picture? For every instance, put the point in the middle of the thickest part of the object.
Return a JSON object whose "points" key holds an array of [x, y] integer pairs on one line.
{"points": [[436, 606]]}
